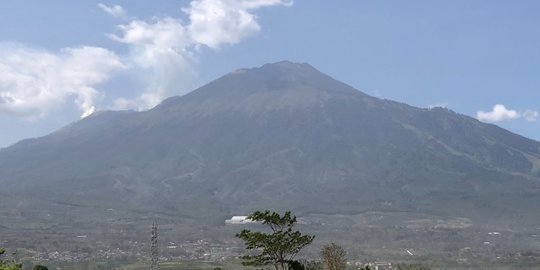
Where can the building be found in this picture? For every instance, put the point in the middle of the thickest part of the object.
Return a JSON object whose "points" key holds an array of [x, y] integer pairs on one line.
{"points": [[239, 220]]}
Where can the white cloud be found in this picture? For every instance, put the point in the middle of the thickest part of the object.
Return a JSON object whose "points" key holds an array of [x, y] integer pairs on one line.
{"points": [[162, 56], [115, 11], [217, 22], [501, 113], [33, 82], [159, 55], [530, 115], [164, 49]]}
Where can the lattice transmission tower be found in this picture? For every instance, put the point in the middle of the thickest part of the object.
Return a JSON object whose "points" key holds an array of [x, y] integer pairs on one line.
{"points": [[154, 261]]}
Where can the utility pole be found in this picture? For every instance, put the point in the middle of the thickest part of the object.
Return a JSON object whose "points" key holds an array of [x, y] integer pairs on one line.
{"points": [[154, 263]]}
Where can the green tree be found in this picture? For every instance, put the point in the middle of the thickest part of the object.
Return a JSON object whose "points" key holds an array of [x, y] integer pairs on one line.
{"points": [[8, 265], [333, 257], [40, 267], [277, 248]]}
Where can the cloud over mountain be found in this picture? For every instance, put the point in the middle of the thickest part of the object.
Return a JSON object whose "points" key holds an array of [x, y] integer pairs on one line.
{"points": [[217, 22], [500, 113], [161, 56], [33, 81], [164, 48]]}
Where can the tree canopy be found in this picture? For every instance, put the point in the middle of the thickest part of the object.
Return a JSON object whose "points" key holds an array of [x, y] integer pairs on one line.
{"points": [[277, 248], [333, 257], [8, 265], [12, 265]]}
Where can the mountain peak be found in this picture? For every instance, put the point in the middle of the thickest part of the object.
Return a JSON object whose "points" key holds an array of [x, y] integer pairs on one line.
{"points": [[281, 70], [285, 82], [284, 75], [286, 64]]}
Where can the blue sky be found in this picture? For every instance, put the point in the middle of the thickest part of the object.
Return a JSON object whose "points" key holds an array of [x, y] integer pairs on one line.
{"points": [[63, 59]]}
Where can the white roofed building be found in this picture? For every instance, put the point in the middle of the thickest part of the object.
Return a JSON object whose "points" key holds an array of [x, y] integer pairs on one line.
{"points": [[238, 220]]}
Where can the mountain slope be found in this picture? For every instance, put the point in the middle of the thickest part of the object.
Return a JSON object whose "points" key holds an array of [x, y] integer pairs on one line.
{"points": [[281, 136]]}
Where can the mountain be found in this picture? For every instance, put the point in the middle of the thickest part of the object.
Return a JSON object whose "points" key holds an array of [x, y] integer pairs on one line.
{"points": [[281, 136]]}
